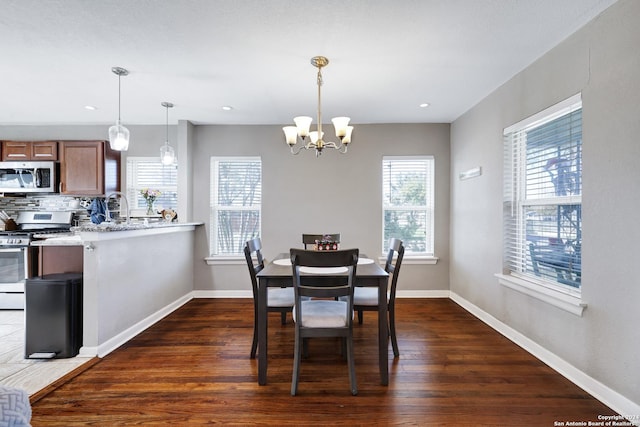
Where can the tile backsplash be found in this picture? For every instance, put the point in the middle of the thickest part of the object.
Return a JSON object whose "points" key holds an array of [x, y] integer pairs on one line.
{"points": [[13, 205]]}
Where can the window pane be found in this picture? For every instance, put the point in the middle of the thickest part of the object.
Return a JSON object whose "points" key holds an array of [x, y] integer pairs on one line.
{"points": [[236, 198], [543, 187], [235, 228], [149, 172], [407, 198], [239, 183], [410, 226]]}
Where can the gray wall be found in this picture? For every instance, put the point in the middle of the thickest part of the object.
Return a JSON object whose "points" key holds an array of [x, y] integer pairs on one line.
{"points": [[332, 193], [601, 61], [302, 193]]}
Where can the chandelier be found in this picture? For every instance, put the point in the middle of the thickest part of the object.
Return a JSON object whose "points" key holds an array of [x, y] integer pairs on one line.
{"points": [[303, 123]]}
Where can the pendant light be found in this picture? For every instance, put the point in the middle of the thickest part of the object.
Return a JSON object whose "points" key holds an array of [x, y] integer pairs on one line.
{"points": [[167, 154], [118, 134]]}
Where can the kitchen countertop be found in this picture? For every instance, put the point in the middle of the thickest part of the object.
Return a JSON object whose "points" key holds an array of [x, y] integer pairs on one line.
{"points": [[83, 233]]}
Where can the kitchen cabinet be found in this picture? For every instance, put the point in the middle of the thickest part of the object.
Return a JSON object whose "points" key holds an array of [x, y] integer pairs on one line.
{"points": [[60, 259], [29, 150], [88, 168]]}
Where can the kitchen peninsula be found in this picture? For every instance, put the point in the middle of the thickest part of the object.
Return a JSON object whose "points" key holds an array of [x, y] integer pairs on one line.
{"points": [[133, 275]]}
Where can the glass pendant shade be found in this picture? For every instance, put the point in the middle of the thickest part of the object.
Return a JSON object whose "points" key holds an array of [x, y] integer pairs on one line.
{"points": [[290, 134], [167, 154], [340, 124], [314, 136], [303, 123], [347, 137], [119, 137]]}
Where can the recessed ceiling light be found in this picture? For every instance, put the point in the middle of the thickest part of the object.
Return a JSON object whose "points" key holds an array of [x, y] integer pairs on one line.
{"points": [[424, 105], [90, 107], [227, 107]]}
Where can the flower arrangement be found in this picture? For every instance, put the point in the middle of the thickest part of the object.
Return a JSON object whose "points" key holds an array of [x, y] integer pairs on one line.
{"points": [[150, 196]]}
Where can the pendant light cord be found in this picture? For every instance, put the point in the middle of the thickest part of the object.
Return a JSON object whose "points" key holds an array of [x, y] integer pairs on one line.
{"points": [[119, 96]]}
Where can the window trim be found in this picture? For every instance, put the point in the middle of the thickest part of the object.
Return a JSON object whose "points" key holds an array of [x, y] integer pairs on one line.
{"points": [[417, 257], [215, 258], [140, 211], [560, 296]]}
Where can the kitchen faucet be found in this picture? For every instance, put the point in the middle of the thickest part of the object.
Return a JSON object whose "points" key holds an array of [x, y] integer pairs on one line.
{"points": [[126, 204]]}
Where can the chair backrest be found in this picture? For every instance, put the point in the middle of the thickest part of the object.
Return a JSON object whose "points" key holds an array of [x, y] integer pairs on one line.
{"points": [[251, 247], [396, 249], [310, 239], [324, 285]]}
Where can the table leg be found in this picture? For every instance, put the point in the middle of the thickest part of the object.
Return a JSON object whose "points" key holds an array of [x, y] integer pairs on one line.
{"points": [[262, 331], [383, 332]]}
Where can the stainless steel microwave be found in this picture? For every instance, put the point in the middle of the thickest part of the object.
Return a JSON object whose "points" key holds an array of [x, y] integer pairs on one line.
{"points": [[28, 177]]}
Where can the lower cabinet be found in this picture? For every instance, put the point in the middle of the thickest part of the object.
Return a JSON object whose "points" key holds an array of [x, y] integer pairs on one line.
{"points": [[60, 259]]}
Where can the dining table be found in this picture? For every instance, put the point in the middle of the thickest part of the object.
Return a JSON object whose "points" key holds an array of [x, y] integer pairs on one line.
{"points": [[279, 273]]}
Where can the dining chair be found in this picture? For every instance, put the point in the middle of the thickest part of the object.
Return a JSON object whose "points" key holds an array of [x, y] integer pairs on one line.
{"points": [[278, 299], [310, 239], [327, 310], [366, 299]]}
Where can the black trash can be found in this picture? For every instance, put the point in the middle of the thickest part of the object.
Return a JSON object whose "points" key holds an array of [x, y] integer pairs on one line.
{"points": [[53, 316]]}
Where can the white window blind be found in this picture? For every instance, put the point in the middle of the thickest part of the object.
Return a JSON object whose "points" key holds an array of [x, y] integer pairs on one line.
{"points": [[407, 202], [236, 201], [149, 172], [543, 197]]}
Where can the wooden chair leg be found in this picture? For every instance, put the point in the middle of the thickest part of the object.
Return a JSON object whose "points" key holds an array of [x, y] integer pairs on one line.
{"points": [[360, 317], [296, 364], [283, 317], [352, 367], [392, 331], [254, 344]]}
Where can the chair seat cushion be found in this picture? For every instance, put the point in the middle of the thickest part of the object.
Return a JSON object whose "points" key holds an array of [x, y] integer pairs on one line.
{"points": [[323, 314], [366, 296], [280, 297]]}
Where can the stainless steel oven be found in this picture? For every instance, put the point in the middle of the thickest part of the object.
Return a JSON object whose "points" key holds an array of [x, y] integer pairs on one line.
{"points": [[18, 259], [14, 270]]}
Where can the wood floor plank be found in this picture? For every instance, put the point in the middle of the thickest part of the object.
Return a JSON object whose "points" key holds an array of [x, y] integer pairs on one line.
{"points": [[193, 368]]}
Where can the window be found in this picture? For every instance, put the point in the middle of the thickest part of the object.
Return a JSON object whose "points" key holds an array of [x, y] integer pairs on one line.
{"points": [[407, 203], [149, 172], [236, 200], [543, 197]]}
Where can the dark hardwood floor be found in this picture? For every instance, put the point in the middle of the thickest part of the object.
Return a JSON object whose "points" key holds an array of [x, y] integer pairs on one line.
{"points": [[193, 368]]}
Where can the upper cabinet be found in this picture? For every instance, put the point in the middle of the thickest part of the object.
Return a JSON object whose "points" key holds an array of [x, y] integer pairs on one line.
{"points": [[29, 150], [88, 168]]}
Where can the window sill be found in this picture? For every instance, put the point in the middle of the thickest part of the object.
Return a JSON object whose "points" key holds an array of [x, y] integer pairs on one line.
{"points": [[226, 260], [413, 259], [563, 300]]}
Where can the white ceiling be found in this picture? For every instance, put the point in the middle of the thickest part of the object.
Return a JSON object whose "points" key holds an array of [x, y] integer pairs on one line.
{"points": [[386, 57]]}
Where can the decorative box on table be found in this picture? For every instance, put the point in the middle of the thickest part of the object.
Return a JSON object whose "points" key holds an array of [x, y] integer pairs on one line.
{"points": [[327, 244]]}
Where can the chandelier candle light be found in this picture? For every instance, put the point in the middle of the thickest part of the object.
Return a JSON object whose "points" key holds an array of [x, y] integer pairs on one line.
{"points": [[118, 134], [303, 123]]}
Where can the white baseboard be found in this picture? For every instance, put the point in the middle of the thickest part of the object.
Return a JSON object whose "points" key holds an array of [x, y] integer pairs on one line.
{"points": [[249, 294], [124, 336], [595, 388]]}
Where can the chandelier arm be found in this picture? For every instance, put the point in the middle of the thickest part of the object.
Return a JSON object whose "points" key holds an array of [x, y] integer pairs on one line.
{"points": [[294, 152]]}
